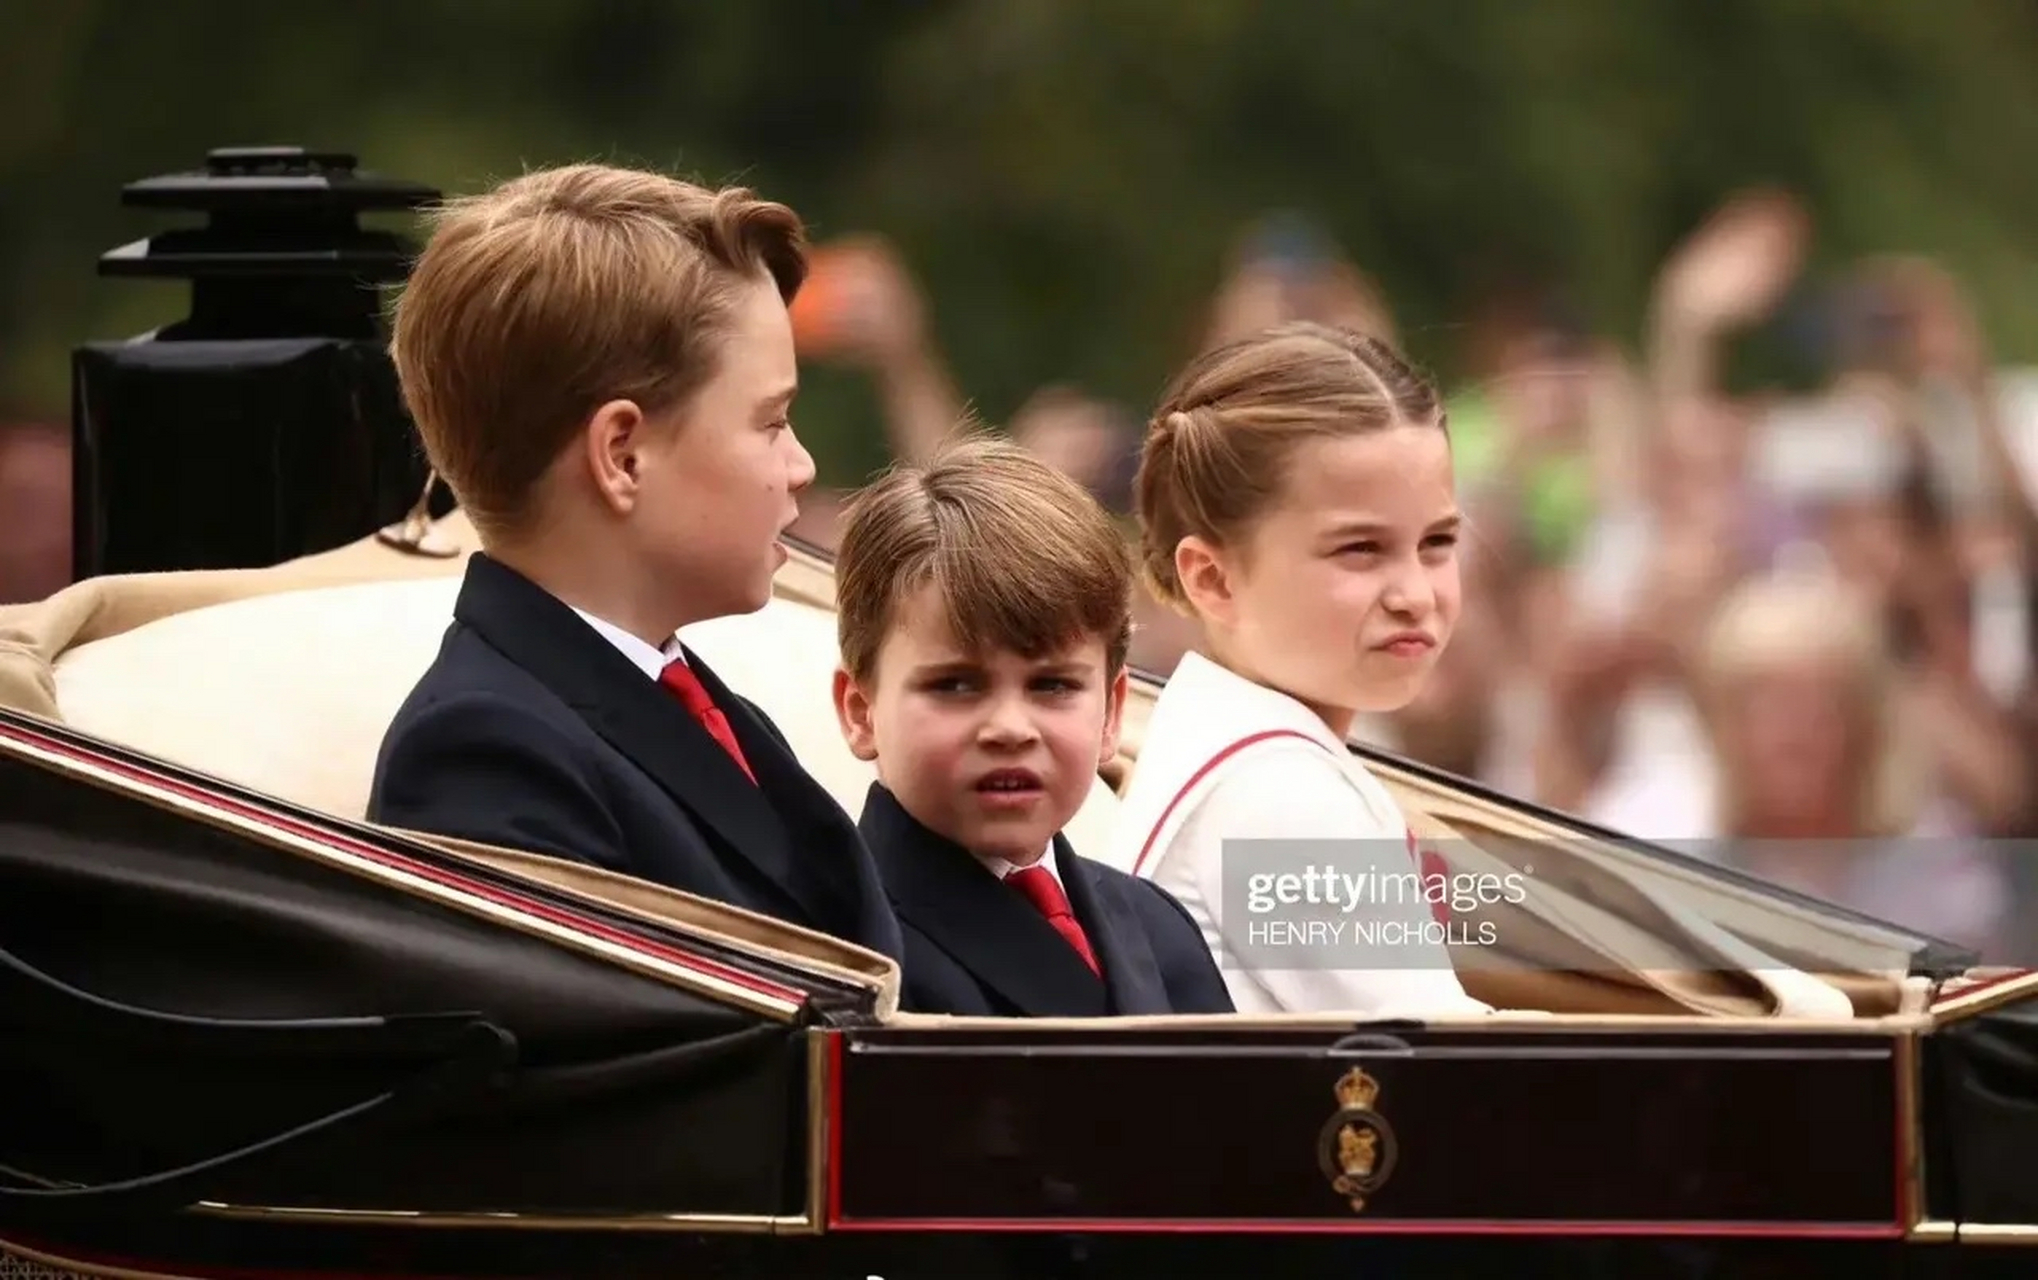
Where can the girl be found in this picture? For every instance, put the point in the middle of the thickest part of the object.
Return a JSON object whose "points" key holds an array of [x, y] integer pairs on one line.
{"points": [[1296, 499]]}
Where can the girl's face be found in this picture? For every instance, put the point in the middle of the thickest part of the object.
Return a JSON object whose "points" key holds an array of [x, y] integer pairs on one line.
{"points": [[1345, 591]]}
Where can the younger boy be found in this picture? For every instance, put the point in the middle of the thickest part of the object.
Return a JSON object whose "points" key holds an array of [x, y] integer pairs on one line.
{"points": [[984, 611], [601, 365]]}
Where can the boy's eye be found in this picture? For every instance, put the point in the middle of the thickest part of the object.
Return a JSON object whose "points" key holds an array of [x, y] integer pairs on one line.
{"points": [[1359, 548], [1057, 684]]}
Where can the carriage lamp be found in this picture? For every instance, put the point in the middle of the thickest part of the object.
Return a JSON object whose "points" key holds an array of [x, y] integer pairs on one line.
{"points": [[266, 423]]}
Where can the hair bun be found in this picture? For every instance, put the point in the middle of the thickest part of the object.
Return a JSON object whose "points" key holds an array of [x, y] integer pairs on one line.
{"points": [[1173, 426]]}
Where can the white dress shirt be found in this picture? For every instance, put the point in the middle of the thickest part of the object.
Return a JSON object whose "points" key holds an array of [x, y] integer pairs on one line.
{"points": [[1002, 868], [649, 659]]}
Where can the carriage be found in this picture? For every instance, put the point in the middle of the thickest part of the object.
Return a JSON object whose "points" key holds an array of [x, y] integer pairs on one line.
{"points": [[244, 1032]]}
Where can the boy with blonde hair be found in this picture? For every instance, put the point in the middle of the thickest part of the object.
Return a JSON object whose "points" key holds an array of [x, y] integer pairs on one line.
{"points": [[601, 366], [984, 612]]}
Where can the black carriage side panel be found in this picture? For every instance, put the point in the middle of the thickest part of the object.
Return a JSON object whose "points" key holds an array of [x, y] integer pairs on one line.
{"points": [[1393, 1128], [174, 994], [1980, 1116]]}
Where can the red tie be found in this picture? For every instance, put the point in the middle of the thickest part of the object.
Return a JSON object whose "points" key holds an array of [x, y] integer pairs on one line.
{"points": [[693, 695], [1433, 867], [1044, 892]]}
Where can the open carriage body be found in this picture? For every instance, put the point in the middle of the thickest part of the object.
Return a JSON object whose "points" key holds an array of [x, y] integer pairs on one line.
{"points": [[244, 1033]]}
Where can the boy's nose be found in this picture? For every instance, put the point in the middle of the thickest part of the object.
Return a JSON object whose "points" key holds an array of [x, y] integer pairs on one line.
{"points": [[800, 469], [1007, 724]]}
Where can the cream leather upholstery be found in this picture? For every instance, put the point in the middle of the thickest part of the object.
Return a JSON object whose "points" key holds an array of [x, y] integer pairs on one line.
{"points": [[286, 694], [289, 693]]}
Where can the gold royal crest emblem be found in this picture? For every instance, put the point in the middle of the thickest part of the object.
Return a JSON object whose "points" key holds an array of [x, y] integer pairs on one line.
{"points": [[1356, 1146]]}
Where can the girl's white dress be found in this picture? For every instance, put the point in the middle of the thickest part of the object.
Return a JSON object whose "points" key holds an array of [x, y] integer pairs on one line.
{"points": [[1325, 920]]}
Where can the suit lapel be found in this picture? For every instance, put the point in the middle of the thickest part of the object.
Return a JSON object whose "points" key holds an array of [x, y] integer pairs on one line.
{"points": [[641, 720], [986, 926], [1131, 970], [801, 805]]}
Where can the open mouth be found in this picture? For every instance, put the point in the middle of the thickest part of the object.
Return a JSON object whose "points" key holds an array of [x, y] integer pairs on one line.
{"points": [[1010, 782]]}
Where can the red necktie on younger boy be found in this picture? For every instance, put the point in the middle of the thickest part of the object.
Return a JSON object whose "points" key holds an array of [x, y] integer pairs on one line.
{"points": [[693, 695], [1044, 892], [1433, 868]]}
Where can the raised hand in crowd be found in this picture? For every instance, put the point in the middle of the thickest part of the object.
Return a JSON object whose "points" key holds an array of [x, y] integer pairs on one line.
{"points": [[861, 306], [1729, 273]]}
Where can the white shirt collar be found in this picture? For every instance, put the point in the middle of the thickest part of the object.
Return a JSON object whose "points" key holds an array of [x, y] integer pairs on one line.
{"points": [[1001, 868], [647, 658]]}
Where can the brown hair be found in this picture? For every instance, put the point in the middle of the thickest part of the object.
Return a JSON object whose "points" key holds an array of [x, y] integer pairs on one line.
{"points": [[1024, 560], [536, 302], [1217, 448]]}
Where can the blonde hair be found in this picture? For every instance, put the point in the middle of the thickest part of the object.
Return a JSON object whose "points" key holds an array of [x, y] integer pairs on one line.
{"points": [[1784, 618], [535, 302], [1022, 558], [1217, 448]]}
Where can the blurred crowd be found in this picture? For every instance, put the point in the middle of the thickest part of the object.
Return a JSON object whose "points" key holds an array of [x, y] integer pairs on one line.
{"points": [[1789, 629], [1786, 629], [35, 509]]}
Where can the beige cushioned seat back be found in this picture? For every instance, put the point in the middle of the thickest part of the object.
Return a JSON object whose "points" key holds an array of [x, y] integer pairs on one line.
{"points": [[286, 694], [289, 693]]}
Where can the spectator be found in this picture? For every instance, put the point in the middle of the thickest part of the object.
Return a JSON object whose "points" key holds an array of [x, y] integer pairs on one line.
{"points": [[35, 494], [1818, 772]]}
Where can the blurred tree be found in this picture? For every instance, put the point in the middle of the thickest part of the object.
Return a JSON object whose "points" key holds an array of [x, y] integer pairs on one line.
{"points": [[1068, 175]]}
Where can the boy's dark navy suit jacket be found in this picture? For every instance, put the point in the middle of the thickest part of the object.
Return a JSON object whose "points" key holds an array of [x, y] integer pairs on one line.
{"points": [[976, 946], [530, 730]]}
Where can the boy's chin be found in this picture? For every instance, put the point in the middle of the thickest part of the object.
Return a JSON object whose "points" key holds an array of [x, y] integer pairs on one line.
{"points": [[1014, 829], [756, 591], [724, 589], [1015, 841]]}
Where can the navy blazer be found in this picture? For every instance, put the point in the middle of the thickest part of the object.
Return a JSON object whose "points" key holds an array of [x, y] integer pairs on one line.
{"points": [[976, 946], [531, 731]]}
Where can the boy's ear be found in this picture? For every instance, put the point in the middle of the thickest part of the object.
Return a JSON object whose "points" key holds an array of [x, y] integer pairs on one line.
{"points": [[1205, 578], [852, 712], [1114, 718], [614, 434]]}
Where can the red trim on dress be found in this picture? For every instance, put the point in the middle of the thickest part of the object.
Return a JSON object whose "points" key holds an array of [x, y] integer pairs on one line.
{"points": [[1198, 776], [1429, 862]]}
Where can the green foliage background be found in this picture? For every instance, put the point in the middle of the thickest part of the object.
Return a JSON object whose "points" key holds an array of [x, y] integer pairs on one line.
{"points": [[1065, 175]]}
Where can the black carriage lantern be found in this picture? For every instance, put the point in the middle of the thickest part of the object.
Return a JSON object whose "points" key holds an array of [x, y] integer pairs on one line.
{"points": [[265, 424]]}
